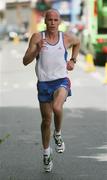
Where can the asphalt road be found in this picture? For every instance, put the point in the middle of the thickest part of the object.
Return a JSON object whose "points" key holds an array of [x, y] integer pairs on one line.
{"points": [[84, 123]]}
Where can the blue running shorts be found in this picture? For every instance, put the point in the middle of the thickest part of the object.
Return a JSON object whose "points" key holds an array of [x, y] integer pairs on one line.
{"points": [[46, 89]]}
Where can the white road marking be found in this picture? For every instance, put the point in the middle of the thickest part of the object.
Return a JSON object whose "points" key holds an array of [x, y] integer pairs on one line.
{"points": [[98, 157], [104, 147]]}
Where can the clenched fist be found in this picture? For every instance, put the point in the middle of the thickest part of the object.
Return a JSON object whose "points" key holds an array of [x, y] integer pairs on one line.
{"points": [[70, 65]]}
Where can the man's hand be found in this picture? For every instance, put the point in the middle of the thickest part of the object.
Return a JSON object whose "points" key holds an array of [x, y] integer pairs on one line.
{"points": [[70, 65], [40, 45]]}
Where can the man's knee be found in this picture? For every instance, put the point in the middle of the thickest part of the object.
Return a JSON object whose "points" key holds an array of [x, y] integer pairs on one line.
{"points": [[46, 123], [57, 108]]}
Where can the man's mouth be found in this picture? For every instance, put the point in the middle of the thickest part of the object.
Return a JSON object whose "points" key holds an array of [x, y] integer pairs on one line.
{"points": [[52, 27]]}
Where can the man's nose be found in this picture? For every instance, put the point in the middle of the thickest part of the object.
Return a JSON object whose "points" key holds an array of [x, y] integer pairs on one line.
{"points": [[52, 22]]}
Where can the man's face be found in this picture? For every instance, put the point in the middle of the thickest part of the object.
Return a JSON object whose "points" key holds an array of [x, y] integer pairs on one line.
{"points": [[52, 21]]}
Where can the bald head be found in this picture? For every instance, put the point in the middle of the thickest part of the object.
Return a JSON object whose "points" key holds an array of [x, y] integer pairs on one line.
{"points": [[52, 20], [51, 11]]}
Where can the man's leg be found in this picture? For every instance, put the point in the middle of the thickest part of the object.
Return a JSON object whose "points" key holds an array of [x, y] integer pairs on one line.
{"points": [[46, 113], [59, 98]]}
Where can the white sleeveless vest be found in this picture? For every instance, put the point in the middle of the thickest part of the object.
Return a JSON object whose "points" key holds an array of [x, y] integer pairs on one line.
{"points": [[51, 64]]}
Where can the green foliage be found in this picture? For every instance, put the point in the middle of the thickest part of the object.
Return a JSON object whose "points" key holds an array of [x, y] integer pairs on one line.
{"points": [[42, 6]]}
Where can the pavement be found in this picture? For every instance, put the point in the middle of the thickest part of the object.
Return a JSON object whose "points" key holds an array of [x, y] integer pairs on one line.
{"points": [[85, 157]]}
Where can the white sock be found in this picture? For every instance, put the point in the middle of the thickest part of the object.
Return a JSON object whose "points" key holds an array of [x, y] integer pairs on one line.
{"points": [[46, 151], [58, 133]]}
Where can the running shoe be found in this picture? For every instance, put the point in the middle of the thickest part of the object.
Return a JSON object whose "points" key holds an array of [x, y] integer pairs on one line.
{"points": [[59, 143], [47, 160]]}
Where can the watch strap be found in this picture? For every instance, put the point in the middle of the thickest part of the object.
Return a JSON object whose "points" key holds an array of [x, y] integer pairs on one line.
{"points": [[73, 59]]}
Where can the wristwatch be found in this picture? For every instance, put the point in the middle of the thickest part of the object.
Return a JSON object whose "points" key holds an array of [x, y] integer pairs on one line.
{"points": [[73, 59]]}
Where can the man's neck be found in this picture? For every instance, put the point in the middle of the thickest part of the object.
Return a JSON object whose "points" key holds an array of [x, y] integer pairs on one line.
{"points": [[52, 35]]}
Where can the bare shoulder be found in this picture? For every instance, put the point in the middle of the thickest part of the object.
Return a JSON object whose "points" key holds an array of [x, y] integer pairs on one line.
{"points": [[35, 38], [71, 39]]}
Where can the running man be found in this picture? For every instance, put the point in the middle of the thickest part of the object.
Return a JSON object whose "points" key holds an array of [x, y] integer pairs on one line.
{"points": [[49, 48]]}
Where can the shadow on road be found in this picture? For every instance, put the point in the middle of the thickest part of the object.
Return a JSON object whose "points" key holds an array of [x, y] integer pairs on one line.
{"points": [[85, 136]]}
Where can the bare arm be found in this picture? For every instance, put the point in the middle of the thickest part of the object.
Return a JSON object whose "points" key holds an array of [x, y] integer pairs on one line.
{"points": [[33, 49], [75, 47], [74, 42]]}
